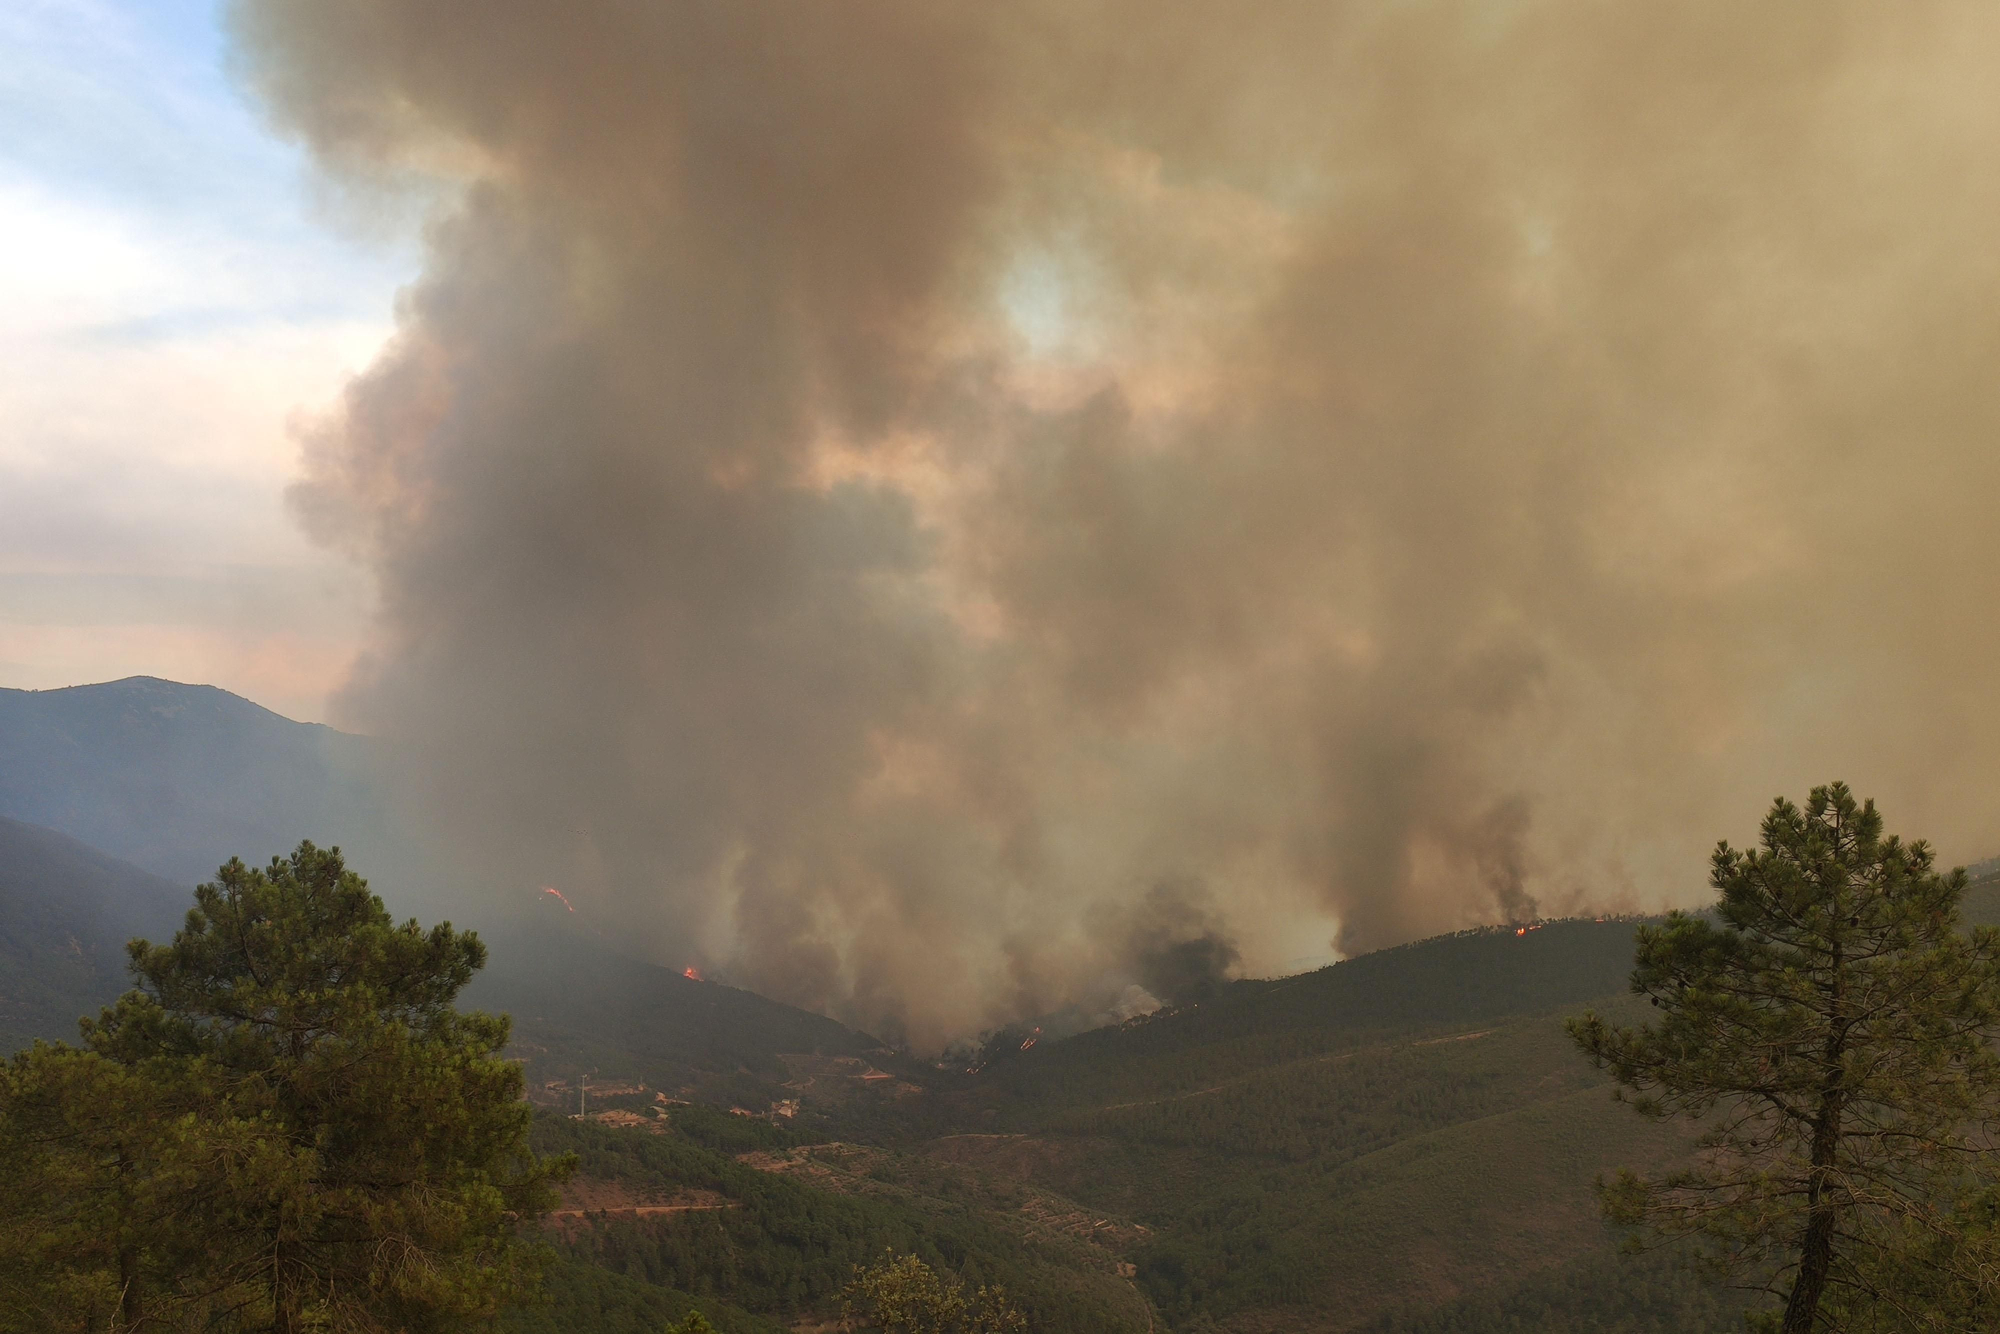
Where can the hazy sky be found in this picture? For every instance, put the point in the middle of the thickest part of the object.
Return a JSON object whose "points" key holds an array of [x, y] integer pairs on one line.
{"points": [[170, 294]]}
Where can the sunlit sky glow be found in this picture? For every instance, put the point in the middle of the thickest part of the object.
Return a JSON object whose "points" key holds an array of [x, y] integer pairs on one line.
{"points": [[172, 295]]}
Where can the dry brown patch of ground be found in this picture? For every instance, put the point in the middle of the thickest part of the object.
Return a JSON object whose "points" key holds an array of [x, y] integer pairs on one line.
{"points": [[587, 1197], [839, 1078]]}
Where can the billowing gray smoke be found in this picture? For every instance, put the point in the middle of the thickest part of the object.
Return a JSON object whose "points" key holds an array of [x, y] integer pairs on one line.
{"points": [[863, 493], [1177, 949]]}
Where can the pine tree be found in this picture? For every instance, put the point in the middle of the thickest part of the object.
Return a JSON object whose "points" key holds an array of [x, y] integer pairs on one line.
{"points": [[286, 1126], [116, 1177], [1831, 1030]]}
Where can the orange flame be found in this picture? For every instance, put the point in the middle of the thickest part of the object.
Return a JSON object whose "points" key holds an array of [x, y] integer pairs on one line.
{"points": [[551, 889], [691, 973]]}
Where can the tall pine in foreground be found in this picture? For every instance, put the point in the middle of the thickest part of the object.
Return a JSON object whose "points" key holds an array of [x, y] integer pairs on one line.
{"points": [[1830, 1029], [285, 1127]]}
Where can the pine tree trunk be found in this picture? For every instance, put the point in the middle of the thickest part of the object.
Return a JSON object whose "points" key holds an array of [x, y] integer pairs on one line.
{"points": [[131, 1303], [284, 1309], [1816, 1245], [1815, 1262]]}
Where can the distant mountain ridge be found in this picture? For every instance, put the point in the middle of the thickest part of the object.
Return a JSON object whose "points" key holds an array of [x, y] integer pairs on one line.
{"points": [[179, 778], [116, 798]]}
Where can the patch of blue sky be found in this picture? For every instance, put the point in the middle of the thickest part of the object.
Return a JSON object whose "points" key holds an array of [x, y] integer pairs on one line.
{"points": [[126, 110], [128, 105]]}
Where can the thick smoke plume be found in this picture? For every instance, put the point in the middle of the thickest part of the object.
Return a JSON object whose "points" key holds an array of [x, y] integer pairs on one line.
{"points": [[1179, 951], [863, 493]]}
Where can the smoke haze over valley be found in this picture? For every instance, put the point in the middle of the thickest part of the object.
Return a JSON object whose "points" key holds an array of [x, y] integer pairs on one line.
{"points": [[942, 515]]}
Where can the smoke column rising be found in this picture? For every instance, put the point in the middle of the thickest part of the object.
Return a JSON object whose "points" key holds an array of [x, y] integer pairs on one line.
{"points": [[862, 496]]}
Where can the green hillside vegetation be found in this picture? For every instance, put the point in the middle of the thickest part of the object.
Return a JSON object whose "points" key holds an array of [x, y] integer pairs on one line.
{"points": [[1331, 1189], [782, 1246], [1430, 1217], [1346, 1103], [1599, 1293], [584, 1297], [1329, 1152], [1435, 986]]}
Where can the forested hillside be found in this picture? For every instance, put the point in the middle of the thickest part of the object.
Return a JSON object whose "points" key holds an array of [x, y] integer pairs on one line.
{"points": [[776, 1241], [1435, 985], [66, 911], [1387, 1138], [1403, 1142]]}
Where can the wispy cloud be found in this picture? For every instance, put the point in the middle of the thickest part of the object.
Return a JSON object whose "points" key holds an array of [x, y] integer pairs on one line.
{"points": [[173, 293]]}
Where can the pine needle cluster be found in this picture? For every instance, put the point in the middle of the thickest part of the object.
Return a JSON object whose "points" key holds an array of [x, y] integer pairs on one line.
{"points": [[285, 1126]]}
